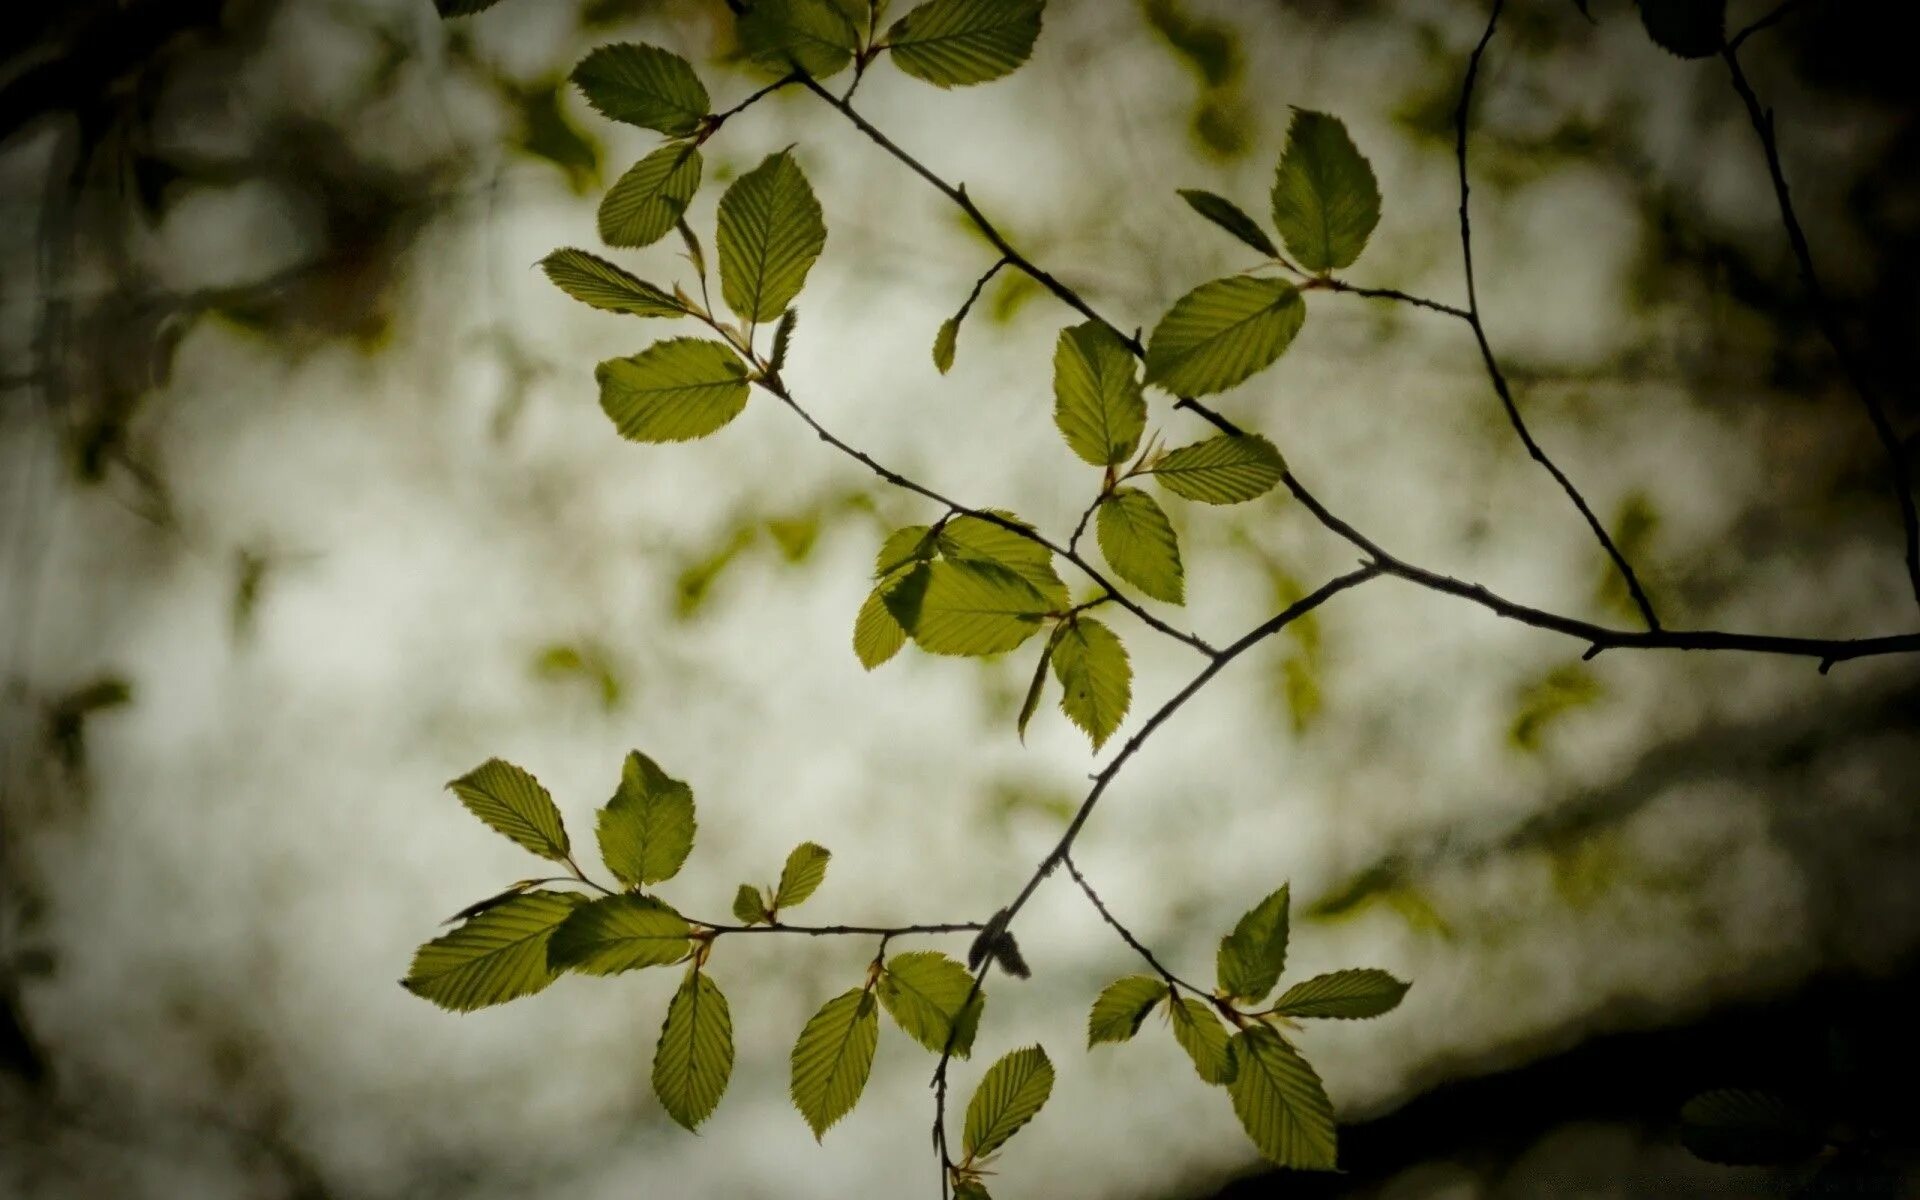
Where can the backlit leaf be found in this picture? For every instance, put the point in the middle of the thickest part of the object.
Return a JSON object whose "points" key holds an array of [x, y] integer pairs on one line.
{"points": [[1222, 470], [952, 43], [969, 538], [499, 955], [1011, 1093], [646, 830], [925, 993], [644, 204], [620, 933], [966, 607], [1097, 401], [1121, 1008], [1325, 199], [944, 344], [771, 232], [749, 906], [1198, 1030], [643, 85], [673, 391], [818, 37], [833, 1057], [1281, 1103], [593, 280], [806, 869], [877, 634], [1229, 216], [1349, 995], [1223, 333], [1251, 958], [513, 803], [1139, 543], [694, 1059], [1096, 679]]}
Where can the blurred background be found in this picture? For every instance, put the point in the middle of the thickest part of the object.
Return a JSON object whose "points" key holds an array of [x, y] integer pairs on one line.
{"points": [[308, 507]]}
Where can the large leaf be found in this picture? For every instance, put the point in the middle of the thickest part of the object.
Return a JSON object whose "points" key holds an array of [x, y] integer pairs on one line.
{"points": [[497, 956], [1097, 401], [1325, 200], [805, 870], [1229, 216], [513, 803], [975, 539], [1096, 680], [1251, 958], [951, 43], [646, 830], [1281, 1103], [694, 1059], [644, 204], [673, 391], [925, 993], [1011, 1093], [1198, 1030], [620, 933], [1140, 544], [645, 86], [1223, 333], [966, 607], [593, 280], [770, 234], [1348, 995], [1223, 470], [833, 1057], [1121, 1008], [818, 37]]}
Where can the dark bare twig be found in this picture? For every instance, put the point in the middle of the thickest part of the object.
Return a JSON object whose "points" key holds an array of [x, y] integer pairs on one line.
{"points": [[1771, 18], [1126, 935]]}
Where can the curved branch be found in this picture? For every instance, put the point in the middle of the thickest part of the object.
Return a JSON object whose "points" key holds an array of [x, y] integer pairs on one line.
{"points": [[1126, 935]]}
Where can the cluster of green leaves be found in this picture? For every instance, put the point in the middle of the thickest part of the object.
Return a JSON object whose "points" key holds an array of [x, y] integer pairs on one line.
{"points": [[1275, 1091]]}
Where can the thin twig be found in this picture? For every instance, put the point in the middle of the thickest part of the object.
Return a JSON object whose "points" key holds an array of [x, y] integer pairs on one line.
{"points": [[1126, 935], [1494, 371], [1771, 18]]}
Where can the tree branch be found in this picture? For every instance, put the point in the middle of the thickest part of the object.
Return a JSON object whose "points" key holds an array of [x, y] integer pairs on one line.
{"points": [[1126, 935]]}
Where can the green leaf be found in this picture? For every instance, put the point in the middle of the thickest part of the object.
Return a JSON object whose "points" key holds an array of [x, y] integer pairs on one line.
{"points": [[513, 803], [1011, 1093], [833, 1057], [1198, 1030], [924, 992], [771, 232], [806, 869], [694, 1059], [1228, 216], [1222, 470], [749, 906], [1097, 400], [1325, 200], [644, 204], [944, 344], [970, 1189], [1223, 333], [953, 43], [1688, 28], [620, 933], [499, 955], [1281, 1103], [1121, 1008], [1031, 704], [646, 830], [818, 37], [673, 391], [1251, 958], [1096, 680], [1140, 544], [1739, 1127], [966, 607], [903, 548], [877, 635], [593, 280], [643, 85], [1346, 995], [973, 539]]}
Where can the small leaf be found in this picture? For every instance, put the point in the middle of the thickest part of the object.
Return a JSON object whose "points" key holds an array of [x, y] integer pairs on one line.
{"points": [[694, 1059], [944, 343], [833, 1057], [819, 37], [1011, 1093], [1688, 28], [1325, 199], [1198, 1030], [877, 635], [966, 608], [1251, 958], [1281, 1103], [1032, 703], [749, 906], [1097, 401], [644, 204], [1228, 216], [1223, 333], [513, 803], [1139, 542], [643, 85], [499, 955], [673, 391], [593, 280], [1122, 1007], [954, 43], [783, 337], [1222, 470], [771, 232], [903, 548], [1345, 995], [925, 993], [646, 830], [1738, 1127], [1096, 680], [974, 539], [806, 869], [620, 933]]}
